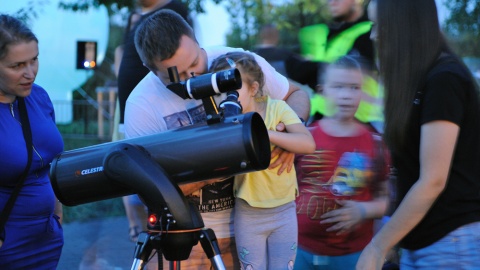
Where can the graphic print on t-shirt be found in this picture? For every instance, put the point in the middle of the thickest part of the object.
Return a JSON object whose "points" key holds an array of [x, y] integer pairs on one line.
{"points": [[189, 117], [211, 198], [349, 174], [215, 197], [346, 180]]}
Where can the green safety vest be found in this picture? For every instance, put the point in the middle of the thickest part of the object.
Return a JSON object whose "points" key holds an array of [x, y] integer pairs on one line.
{"points": [[314, 46]]}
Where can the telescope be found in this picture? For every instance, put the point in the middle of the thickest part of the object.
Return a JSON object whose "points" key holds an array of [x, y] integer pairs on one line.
{"points": [[237, 145], [152, 166]]}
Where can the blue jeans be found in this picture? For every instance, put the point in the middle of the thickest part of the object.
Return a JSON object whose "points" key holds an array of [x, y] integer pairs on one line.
{"points": [[459, 250], [309, 261]]}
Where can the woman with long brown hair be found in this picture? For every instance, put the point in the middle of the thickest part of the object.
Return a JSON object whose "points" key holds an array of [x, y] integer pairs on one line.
{"points": [[432, 127]]}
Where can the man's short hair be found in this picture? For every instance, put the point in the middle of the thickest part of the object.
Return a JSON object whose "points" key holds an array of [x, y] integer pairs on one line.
{"points": [[158, 37]]}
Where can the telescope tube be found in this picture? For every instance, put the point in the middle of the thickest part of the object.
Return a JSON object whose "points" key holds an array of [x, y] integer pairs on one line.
{"points": [[237, 145]]}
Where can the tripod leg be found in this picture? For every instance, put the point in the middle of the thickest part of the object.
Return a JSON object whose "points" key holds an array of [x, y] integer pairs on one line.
{"points": [[211, 248], [143, 249], [175, 265]]}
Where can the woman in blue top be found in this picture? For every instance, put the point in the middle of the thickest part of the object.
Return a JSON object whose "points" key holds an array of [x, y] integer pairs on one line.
{"points": [[32, 237]]}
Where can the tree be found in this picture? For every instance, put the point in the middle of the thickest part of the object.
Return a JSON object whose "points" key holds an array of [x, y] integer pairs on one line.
{"points": [[30, 10], [83, 5], [248, 16], [463, 26]]}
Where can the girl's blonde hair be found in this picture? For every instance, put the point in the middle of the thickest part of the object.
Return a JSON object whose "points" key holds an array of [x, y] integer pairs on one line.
{"points": [[246, 63]]}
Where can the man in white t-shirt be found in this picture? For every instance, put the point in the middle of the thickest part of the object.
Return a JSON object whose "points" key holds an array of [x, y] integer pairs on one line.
{"points": [[165, 40]]}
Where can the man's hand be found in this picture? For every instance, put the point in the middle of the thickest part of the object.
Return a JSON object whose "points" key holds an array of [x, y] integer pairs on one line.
{"points": [[285, 159]]}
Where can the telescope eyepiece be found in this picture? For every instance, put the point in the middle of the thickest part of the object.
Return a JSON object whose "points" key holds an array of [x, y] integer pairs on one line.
{"points": [[230, 106], [205, 85]]}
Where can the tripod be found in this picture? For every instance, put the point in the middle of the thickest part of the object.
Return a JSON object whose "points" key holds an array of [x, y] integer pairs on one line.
{"points": [[148, 241], [174, 223]]}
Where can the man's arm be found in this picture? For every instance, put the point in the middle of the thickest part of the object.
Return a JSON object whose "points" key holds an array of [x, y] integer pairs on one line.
{"points": [[189, 188], [298, 100]]}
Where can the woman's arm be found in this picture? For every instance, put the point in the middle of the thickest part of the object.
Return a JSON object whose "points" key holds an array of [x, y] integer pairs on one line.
{"points": [[437, 144], [297, 139]]}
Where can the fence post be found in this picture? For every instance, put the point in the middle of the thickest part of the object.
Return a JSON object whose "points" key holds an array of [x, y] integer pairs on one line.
{"points": [[112, 96], [100, 90], [106, 109]]}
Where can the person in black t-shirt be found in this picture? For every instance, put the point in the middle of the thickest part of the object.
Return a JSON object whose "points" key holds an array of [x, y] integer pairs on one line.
{"points": [[432, 127]]}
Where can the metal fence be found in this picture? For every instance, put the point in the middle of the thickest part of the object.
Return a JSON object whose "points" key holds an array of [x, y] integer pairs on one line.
{"points": [[88, 118]]}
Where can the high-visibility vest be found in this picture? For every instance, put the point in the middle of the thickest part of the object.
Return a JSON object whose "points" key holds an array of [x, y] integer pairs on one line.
{"points": [[314, 46]]}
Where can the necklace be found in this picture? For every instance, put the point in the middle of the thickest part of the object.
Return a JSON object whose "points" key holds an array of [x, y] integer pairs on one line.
{"points": [[11, 110]]}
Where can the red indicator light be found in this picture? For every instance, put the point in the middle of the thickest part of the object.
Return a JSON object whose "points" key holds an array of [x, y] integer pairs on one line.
{"points": [[152, 219]]}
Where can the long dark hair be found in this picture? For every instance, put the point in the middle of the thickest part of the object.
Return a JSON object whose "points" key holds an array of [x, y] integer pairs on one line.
{"points": [[13, 31], [409, 42]]}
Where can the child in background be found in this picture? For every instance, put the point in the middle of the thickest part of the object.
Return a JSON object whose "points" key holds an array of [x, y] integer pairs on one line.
{"points": [[342, 185], [265, 220]]}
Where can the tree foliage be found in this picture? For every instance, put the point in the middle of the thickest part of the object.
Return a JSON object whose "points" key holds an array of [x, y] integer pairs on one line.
{"points": [[248, 16], [84, 5], [30, 11], [463, 26]]}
